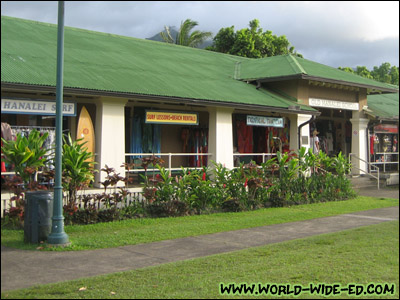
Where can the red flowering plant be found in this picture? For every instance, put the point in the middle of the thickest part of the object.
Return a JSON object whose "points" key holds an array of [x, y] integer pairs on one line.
{"points": [[151, 161], [15, 214]]}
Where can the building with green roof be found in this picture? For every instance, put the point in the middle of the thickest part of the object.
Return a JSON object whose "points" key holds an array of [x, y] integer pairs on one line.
{"points": [[383, 133], [124, 82]]}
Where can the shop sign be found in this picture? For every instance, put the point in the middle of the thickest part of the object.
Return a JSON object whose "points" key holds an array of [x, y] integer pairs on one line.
{"points": [[35, 107], [265, 121], [333, 104], [161, 117], [386, 128]]}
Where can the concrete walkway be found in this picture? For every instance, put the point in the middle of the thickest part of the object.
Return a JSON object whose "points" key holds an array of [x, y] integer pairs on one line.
{"points": [[385, 192], [22, 268]]}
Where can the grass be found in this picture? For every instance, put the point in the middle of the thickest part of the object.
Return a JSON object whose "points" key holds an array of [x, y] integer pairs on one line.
{"points": [[138, 231], [363, 255]]}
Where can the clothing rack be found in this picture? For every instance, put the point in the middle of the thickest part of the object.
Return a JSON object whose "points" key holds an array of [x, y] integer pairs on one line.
{"points": [[32, 127]]}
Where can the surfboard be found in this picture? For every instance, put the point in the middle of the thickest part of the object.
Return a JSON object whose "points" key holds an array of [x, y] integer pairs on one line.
{"points": [[85, 131]]}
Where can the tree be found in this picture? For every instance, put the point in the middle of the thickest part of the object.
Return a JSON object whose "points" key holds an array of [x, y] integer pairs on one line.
{"points": [[384, 73], [184, 37], [251, 42]]}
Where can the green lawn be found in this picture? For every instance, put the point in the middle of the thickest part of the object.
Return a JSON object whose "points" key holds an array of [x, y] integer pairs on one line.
{"points": [[138, 231], [361, 256]]}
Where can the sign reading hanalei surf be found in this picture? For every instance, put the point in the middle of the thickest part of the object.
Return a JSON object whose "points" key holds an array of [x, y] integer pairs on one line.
{"points": [[35, 107]]}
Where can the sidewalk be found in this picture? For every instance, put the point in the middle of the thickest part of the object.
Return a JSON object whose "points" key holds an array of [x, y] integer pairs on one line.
{"points": [[22, 269], [385, 192]]}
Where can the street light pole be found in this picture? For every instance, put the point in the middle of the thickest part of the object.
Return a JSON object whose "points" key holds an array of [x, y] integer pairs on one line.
{"points": [[57, 236]]}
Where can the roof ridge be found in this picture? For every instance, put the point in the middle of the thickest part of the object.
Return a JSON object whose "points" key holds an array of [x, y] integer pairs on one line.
{"points": [[295, 64], [235, 58]]}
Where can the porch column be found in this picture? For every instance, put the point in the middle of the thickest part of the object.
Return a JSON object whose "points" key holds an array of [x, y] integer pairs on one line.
{"points": [[359, 142], [220, 136], [110, 136], [295, 122]]}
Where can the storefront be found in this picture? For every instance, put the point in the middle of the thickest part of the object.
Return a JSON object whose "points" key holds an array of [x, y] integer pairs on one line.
{"points": [[383, 133], [155, 131], [192, 106], [335, 131], [259, 134], [22, 115], [383, 147]]}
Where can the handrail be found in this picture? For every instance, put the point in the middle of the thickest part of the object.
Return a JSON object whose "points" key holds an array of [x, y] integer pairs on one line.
{"points": [[255, 154], [368, 164], [169, 158], [385, 162]]}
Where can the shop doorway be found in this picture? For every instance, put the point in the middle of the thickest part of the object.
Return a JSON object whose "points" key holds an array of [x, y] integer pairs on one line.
{"points": [[334, 129]]}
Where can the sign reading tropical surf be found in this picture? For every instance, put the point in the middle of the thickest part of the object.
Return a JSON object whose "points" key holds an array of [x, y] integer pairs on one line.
{"points": [[265, 121]]}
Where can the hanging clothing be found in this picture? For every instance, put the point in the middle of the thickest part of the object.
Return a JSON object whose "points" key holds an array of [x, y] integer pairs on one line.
{"points": [[371, 144], [147, 138], [195, 140], [136, 140], [6, 132], [329, 141], [244, 137], [156, 138]]}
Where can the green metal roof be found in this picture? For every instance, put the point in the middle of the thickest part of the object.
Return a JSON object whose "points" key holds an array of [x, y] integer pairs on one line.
{"points": [[384, 106], [289, 66], [112, 63], [101, 62]]}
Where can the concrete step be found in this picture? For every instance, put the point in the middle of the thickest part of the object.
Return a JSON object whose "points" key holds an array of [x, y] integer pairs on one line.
{"points": [[366, 181], [393, 179]]}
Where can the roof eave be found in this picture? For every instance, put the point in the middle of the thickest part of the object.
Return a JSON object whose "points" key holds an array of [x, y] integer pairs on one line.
{"points": [[360, 85], [374, 88], [190, 101]]}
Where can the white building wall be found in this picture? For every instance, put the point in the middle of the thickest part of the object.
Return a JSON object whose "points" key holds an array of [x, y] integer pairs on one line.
{"points": [[110, 136], [220, 136], [295, 122], [359, 143]]}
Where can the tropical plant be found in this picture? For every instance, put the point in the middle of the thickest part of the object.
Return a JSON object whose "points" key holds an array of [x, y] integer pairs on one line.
{"points": [[251, 42], [384, 73], [77, 166], [27, 154], [184, 36]]}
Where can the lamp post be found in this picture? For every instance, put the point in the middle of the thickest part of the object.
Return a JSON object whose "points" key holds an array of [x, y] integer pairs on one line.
{"points": [[58, 237]]}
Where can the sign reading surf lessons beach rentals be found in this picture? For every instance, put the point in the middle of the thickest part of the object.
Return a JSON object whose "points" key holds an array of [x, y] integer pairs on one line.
{"points": [[35, 107], [265, 121], [165, 117]]}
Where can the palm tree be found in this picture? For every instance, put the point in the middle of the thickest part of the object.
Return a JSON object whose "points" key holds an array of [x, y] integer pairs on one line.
{"points": [[184, 37]]}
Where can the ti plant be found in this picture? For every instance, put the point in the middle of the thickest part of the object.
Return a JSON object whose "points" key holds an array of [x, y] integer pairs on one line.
{"points": [[77, 166], [26, 154]]}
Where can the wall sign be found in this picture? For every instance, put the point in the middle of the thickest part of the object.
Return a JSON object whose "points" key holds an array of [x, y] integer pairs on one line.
{"points": [[333, 104], [160, 117], [265, 121], [35, 107]]}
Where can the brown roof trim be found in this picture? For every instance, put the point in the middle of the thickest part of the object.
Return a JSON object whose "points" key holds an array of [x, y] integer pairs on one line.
{"points": [[367, 86], [322, 79]]}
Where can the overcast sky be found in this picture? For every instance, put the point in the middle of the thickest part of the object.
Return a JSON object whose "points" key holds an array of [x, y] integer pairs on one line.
{"points": [[361, 33]]}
